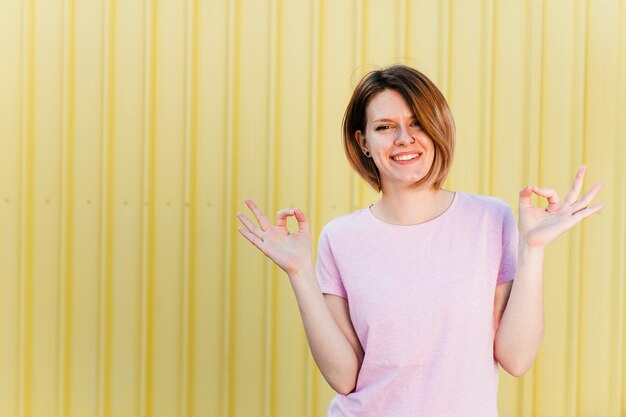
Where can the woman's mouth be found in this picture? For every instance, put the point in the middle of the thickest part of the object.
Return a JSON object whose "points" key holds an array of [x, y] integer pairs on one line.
{"points": [[406, 158]]}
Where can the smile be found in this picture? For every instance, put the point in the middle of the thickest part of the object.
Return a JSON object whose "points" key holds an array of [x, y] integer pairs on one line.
{"points": [[406, 157]]}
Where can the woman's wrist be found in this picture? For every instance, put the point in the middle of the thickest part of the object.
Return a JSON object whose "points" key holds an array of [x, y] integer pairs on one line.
{"points": [[303, 271], [524, 245], [529, 253]]}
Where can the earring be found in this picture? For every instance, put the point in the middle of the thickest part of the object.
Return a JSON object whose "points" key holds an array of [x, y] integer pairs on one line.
{"points": [[367, 153]]}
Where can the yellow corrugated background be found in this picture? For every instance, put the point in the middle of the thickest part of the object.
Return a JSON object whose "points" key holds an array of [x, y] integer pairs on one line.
{"points": [[130, 132]]}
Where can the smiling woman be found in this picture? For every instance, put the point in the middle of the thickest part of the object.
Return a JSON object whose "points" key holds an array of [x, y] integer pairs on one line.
{"points": [[399, 100], [394, 138], [416, 300]]}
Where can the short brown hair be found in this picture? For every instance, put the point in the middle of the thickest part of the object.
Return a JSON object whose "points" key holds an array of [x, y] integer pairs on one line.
{"points": [[430, 109]]}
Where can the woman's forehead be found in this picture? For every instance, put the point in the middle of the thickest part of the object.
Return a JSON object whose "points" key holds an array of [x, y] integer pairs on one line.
{"points": [[388, 104]]}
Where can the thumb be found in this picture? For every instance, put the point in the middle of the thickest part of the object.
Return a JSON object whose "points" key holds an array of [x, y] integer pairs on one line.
{"points": [[281, 217], [524, 197], [303, 224]]}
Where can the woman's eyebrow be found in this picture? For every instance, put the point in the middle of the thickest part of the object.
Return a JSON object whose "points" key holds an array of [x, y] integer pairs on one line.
{"points": [[384, 119]]}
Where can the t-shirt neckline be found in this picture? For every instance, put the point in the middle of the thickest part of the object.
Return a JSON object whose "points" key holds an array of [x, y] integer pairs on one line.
{"points": [[432, 221]]}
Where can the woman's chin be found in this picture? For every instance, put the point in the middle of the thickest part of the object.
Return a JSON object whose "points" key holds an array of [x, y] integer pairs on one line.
{"points": [[412, 179], [406, 182]]}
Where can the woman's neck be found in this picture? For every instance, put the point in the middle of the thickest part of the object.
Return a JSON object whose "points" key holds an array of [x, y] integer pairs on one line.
{"points": [[406, 207]]}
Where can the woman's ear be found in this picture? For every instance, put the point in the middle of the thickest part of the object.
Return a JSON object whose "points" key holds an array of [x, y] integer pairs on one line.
{"points": [[360, 138]]}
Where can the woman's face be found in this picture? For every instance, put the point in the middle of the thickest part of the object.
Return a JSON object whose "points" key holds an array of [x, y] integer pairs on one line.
{"points": [[401, 150]]}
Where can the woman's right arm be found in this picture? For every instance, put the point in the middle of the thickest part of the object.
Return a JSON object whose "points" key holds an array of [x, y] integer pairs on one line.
{"points": [[331, 337], [329, 331]]}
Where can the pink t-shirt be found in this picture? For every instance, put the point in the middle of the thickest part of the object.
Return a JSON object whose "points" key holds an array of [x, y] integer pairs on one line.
{"points": [[421, 301]]}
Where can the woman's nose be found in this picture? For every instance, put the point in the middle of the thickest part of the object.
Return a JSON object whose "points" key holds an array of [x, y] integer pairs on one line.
{"points": [[404, 138]]}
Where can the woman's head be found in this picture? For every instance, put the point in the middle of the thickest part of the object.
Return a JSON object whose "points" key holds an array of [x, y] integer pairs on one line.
{"points": [[428, 107]]}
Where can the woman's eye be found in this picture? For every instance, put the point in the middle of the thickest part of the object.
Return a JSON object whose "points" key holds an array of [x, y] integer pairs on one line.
{"points": [[383, 127], [416, 124]]}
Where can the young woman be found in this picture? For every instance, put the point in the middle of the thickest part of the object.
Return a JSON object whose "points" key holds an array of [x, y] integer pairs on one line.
{"points": [[412, 303]]}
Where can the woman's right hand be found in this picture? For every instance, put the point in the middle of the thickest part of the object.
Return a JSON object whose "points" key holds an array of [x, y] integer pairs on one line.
{"points": [[290, 251]]}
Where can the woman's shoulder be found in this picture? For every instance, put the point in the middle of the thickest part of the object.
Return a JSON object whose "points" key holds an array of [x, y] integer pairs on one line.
{"points": [[347, 222], [485, 202]]}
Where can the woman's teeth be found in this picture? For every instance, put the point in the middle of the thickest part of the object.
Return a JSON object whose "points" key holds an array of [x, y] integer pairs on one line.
{"points": [[406, 157]]}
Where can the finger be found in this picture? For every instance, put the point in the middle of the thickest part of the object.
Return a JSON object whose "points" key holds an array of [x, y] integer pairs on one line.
{"points": [[249, 225], [577, 185], [549, 193], [281, 217], [256, 241], [587, 198], [588, 211], [524, 197], [303, 224], [260, 216], [579, 216]]}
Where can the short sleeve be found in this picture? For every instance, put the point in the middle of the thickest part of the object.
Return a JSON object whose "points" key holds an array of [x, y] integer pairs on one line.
{"points": [[326, 270], [508, 261]]}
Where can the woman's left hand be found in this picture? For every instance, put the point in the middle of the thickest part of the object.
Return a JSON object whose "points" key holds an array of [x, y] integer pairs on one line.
{"points": [[539, 226]]}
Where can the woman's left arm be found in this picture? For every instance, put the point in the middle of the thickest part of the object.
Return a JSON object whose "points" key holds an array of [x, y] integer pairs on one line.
{"points": [[520, 326]]}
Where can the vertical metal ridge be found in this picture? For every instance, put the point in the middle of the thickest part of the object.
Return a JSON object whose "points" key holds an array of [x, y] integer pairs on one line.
{"points": [[443, 45], [616, 281], [526, 92], [492, 98], [542, 95], [360, 23], [407, 32], [621, 150], [540, 158], [361, 15], [533, 108], [534, 93], [314, 167], [150, 97], [401, 30], [488, 78], [107, 150], [357, 34], [21, 200], [273, 156], [449, 37], [318, 147], [359, 187], [494, 49], [357, 49], [580, 248], [189, 213], [574, 296], [616, 349], [26, 201], [358, 60], [230, 193], [586, 83], [66, 241], [527, 95]]}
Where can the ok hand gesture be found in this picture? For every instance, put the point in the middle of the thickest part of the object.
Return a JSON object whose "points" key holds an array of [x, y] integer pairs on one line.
{"points": [[539, 226], [290, 251]]}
